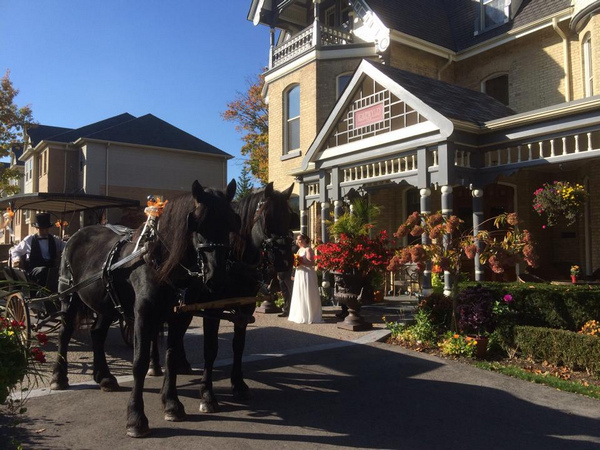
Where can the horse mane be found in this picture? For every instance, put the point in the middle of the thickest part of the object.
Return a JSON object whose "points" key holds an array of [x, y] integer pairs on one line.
{"points": [[246, 208], [174, 234]]}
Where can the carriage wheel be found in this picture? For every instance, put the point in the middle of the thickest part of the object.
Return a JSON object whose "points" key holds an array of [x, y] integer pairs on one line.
{"points": [[16, 309], [126, 326]]}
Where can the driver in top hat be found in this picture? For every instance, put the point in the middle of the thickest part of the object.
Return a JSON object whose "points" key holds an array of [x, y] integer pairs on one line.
{"points": [[39, 252]]}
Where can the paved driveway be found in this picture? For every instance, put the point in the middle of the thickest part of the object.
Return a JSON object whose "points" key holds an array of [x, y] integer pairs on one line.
{"points": [[318, 391]]}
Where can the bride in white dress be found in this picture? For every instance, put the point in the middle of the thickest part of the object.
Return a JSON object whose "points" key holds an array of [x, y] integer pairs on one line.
{"points": [[306, 302]]}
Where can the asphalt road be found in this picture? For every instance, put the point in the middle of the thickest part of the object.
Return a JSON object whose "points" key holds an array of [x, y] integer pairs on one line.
{"points": [[314, 390]]}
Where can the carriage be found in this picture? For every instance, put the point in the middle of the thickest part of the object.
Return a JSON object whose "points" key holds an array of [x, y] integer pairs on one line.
{"points": [[33, 306], [202, 245]]}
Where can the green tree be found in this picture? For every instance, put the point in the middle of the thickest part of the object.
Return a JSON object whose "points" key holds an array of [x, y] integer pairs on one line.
{"points": [[249, 111], [244, 184], [13, 121]]}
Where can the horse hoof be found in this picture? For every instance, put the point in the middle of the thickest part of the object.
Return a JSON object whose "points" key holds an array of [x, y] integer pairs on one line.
{"points": [[242, 394], [155, 372], [138, 432], [109, 384], [209, 407], [175, 416], [61, 385]]}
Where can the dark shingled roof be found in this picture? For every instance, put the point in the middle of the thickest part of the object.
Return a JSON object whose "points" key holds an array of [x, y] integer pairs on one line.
{"points": [[73, 134], [150, 130], [125, 128], [451, 23], [38, 133], [453, 102]]}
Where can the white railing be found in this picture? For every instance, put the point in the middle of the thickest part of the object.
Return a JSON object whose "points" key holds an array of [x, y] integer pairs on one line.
{"points": [[305, 40], [394, 166], [313, 190], [544, 150], [462, 158]]}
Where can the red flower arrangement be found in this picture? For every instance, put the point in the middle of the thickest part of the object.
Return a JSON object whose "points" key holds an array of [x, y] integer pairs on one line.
{"points": [[359, 254]]}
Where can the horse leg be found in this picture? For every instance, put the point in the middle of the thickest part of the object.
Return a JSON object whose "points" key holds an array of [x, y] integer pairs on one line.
{"points": [[60, 381], [173, 408], [155, 368], [208, 401], [137, 422], [102, 375], [240, 389]]}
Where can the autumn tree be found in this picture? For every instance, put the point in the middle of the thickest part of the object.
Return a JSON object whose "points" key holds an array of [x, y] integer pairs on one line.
{"points": [[249, 112], [13, 120]]}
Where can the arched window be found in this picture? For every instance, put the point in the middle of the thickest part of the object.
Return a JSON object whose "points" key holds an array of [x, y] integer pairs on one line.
{"points": [[292, 119], [342, 81], [497, 87], [588, 74]]}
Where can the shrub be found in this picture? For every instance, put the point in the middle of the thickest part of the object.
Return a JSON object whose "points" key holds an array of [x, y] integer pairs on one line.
{"points": [[439, 308], [573, 350], [545, 305], [18, 356], [475, 305]]}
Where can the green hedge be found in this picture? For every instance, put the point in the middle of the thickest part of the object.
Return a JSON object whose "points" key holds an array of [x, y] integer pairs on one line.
{"points": [[559, 347], [545, 305]]}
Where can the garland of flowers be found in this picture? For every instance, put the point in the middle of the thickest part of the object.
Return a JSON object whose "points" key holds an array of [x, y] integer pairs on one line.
{"points": [[559, 199]]}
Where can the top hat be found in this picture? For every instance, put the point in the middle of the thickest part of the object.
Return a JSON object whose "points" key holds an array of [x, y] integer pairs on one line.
{"points": [[42, 220]]}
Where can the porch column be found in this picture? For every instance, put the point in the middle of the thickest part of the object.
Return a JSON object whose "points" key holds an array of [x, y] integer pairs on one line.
{"points": [[425, 204], [272, 46], [336, 194], [302, 207], [324, 205], [477, 219], [446, 212]]}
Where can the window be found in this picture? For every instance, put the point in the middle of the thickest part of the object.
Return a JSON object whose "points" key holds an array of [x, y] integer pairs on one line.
{"points": [[292, 119], [45, 162], [588, 75], [493, 13], [342, 82], [497, 87], [28, 169]]}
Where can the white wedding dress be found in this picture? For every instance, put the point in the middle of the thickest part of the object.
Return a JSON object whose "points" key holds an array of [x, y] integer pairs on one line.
{"points": [[306, 303]]}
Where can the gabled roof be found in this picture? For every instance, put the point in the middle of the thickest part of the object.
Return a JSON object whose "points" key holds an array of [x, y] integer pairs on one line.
{"points": [[451, 23], [453, 102], [39, 133], [438, 102], [73, 134], [152, 131], [125, 128]]}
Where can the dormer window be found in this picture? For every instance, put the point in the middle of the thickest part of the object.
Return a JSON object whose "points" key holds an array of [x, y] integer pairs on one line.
{"points": [[492, 14]]}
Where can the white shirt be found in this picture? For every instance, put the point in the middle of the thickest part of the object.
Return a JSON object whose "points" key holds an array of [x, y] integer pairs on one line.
{"points": [[24, 247]]}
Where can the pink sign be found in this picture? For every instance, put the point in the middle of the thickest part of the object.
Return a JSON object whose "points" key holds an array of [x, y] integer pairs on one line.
{"points": [[368, 116]]}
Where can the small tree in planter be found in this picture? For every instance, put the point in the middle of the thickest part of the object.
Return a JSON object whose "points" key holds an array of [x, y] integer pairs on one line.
{"points": [[504, 246]]}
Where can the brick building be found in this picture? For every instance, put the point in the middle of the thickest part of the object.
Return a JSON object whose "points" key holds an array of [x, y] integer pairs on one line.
{"points": [[456, 105]]}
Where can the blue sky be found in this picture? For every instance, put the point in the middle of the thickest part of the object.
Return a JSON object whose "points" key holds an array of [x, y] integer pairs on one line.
{"points": [[79, 61]]}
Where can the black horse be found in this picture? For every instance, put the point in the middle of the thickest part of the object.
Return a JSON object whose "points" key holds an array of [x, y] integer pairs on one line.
{"points": [[261, 248], [262, 243], [188, 250]]}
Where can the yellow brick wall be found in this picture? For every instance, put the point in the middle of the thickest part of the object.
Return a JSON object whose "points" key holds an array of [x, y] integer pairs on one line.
{"points": [[416, 61]]}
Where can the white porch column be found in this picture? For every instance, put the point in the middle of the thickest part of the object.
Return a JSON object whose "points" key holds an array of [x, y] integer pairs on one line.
{"points": [[477, 219], [425, 204], [447, 212]]}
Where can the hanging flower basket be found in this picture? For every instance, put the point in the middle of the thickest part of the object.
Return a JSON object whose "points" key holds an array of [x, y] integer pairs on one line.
{"points": [[559, 199]]}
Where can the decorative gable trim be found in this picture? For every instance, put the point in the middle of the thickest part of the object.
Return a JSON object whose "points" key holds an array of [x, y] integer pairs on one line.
{"points": [[427, 119]]}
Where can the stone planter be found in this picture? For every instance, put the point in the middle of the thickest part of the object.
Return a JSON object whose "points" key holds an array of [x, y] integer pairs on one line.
{"points": [[353, 291]]}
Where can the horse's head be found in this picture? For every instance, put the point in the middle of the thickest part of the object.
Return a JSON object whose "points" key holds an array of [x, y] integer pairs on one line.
{"points": [[210, 223], [273, 221]]}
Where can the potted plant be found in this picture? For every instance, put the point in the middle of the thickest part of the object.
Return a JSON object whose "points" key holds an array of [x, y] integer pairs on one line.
{"points": [[19, 356], [574, 273], [559, 199], [475, 308], [353, 258]]}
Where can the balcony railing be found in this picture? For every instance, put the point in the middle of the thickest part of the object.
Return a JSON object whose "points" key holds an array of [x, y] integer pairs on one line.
{"points": [[315, 36]]}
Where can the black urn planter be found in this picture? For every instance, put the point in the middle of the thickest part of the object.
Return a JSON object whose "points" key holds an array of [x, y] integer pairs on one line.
{"points": [[354, 291]]}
